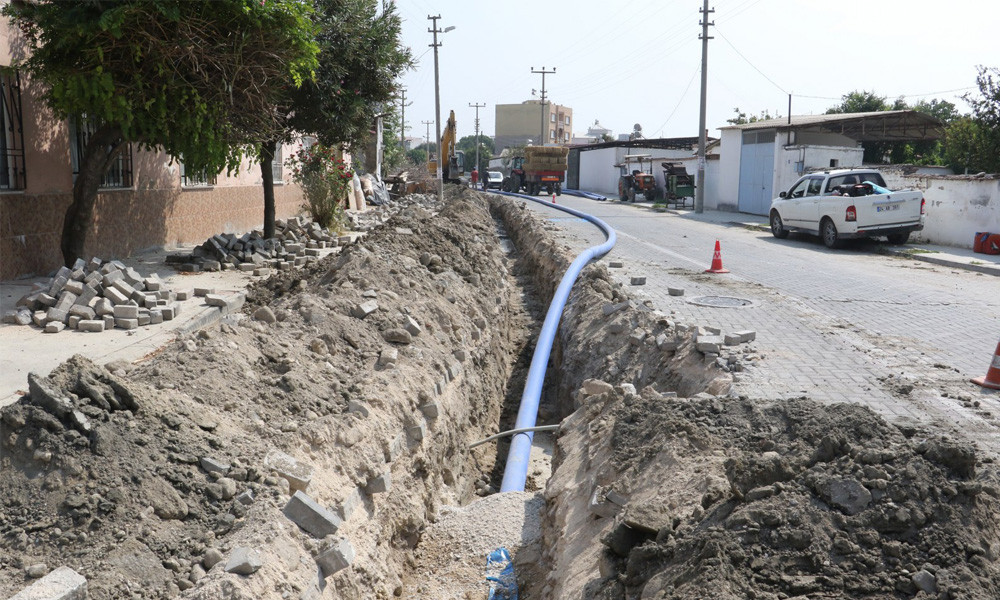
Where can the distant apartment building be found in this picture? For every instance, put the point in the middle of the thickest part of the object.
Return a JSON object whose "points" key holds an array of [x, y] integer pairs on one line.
{"points": [[529, 120]]}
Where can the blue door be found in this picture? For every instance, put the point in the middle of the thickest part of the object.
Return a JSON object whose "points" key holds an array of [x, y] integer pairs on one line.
{"points": [[756, 172]]}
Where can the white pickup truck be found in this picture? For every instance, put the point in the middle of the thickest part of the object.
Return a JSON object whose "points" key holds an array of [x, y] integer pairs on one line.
{"points": [[845, 204]]}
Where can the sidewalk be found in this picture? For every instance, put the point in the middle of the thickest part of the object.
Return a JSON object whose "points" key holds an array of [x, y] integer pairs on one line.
{"points": [[25, 349], [958, 258]]}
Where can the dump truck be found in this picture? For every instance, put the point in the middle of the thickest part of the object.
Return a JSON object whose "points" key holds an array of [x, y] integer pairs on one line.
{"points": [[453, 168], [541, 168]]}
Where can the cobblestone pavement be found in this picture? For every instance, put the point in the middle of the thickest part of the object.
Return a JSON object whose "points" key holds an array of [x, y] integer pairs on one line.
{"points": [[901, 336]]}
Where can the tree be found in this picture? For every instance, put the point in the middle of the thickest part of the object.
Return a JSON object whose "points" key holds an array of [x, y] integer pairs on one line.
{"points": [[741, 117], [360, 59], [188, 77], [418, 156], [963, 143], [859, 101], [986, 115], [486, 149]]}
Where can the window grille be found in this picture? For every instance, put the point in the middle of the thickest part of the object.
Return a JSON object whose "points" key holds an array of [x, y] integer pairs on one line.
{"points": [[276, 164], [198, 178], [12, 171], [119, 173]]}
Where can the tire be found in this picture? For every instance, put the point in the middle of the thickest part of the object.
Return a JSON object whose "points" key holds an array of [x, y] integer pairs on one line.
{"points": [[898, 238], [558, 189], [622, 190], [549, 190], [778, 226], [631, 195], [828, 232]]}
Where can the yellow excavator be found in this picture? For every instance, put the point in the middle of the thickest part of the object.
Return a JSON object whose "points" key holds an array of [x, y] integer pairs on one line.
{"points": [[454, 166]]}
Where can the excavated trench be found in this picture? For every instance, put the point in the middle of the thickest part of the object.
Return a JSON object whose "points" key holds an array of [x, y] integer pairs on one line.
{"points": [[373, 371]]}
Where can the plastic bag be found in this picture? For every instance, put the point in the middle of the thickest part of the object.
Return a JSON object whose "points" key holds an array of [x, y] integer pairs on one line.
{"points": [[500, 574]]}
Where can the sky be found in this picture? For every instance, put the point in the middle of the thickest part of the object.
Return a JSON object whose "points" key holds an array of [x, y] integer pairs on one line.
{"points": [[627, 62]]}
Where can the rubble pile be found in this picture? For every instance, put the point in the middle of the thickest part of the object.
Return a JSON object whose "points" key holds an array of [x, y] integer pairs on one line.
{"points": [[97, 296], [296, 241]]}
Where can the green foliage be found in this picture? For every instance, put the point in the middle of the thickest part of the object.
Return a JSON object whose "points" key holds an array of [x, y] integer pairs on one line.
{"points": [[941, 110], [741, 117], [859, 101], [393, 156], [986, 114], [360, 59], [963, 146], [325, 180], [186, 76], [486, 149], [418, 155]]}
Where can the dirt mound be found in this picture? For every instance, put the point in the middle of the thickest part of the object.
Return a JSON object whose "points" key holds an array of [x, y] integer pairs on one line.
{"points": [[800, 500], [375, 369]]}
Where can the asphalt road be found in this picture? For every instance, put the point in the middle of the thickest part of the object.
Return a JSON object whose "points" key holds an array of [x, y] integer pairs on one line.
{"points": [[901, 336]]}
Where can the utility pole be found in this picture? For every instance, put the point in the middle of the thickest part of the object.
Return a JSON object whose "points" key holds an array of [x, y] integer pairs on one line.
{"points": [[402, 117], [543, 73], [699, 195], [477, 107], [427, 136], [437, 103]]}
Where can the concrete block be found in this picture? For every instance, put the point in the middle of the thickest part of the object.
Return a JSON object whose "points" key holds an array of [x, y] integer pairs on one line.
{"points": [[310, 516], [201, 292], [675, 291], [62, 584], [360, 311], [126, 323], [247, 266], [417, 432], [746, 336], [183, 295], [380, 484], [94, 264], [454, 369], [115, 296], [153, 284], [109, 322], [707, 344], [144, 319], [46, 300], [215, 300], [155, 316], [638, 281], [85, 296], [73, 321], [54, 326], [615, 264], [39, 318], [337, 557], [262, 272], [431, 410], [394, 448], [73, 286], [84, 312], [110, 278], [122, 286], [212, 465], [731, 339], [133, 277], [244, 561], [91, 325], [66, 300], [126, 311], [56, 315], [296, 473], [58, 282], [388, 357]]}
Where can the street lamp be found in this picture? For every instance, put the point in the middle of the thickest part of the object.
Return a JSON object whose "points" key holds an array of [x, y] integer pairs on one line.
{"points": [[437, 101]]}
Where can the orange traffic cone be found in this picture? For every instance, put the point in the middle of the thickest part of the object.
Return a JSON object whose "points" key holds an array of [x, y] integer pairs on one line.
{"points": [[992, 379], [553, 198], [717, 260]]}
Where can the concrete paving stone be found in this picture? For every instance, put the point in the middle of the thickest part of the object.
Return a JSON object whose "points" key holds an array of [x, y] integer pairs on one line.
{"points": [[109, 322], [122, 323], [297, 474], [66, 300], [126, 311], [54, 326], [360, 311], [431, 410], [47, 300], [673, 291], [84, 312], [61, 584], [417, 432], [74, 286], [155, 316], [244, 561], [73, 320], [638, 281], [215, 300], [380, 484], [337, 557], [200, 292], [56, 315], [310, 516], [709, 344], [91, 325], [116, 296], [123, 286], [212, 465], [347, 506]]}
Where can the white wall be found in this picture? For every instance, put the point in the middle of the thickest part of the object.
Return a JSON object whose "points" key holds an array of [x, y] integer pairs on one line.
{"points": [[599, 174], [813, 157], [958, 206], [727, 196]]}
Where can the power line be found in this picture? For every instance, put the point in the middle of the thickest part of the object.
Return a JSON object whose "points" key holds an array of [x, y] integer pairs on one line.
{"points": [[762, 74], [679, 102]]}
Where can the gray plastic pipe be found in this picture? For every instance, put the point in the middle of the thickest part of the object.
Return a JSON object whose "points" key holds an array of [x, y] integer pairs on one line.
{"points": [[516, 471]]}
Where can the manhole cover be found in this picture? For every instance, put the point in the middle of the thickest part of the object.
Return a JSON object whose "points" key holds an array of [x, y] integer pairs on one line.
{"points": [[721, 301]]}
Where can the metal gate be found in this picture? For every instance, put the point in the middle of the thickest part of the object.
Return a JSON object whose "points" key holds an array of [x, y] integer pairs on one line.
{"points": [[756, 171]]}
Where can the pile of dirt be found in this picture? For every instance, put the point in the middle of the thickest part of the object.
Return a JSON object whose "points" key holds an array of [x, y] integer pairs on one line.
{"points": [[789, 500], [375, 368]]}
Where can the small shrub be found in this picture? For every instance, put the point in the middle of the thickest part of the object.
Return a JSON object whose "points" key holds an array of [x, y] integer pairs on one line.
{"points": [[325, 181]]}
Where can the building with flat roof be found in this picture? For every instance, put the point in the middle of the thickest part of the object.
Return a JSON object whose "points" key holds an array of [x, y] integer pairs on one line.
{"points": [[529, 120]]}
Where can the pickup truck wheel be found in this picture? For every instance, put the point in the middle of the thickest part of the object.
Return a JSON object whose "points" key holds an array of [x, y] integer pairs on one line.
{"points": [[898, 238], [777, 226], [828, 231]]}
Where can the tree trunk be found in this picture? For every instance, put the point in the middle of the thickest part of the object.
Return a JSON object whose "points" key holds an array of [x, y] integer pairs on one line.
{"points": [[267, 150], [103, 147]]}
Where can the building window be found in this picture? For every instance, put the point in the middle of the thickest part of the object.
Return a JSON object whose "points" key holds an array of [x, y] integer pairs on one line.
{"points": [[119, 173], [12, 174], [552, 117], [198, 178], [567, 121], [552, 135], [276, 164]]}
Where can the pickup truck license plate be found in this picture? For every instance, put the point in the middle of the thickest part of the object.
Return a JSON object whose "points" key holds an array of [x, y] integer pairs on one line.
{"points": [[887, 207]]}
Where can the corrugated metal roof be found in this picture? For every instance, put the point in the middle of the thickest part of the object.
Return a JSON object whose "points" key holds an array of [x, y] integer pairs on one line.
{"points": [[884, 125]]}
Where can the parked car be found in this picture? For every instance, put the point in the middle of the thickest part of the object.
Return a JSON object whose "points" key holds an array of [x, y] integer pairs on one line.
{"points": [[494, 179], [846, 204]]}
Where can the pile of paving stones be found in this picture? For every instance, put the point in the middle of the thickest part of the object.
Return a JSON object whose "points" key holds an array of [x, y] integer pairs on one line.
{"points": [[96, 296], [295, 242]]}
